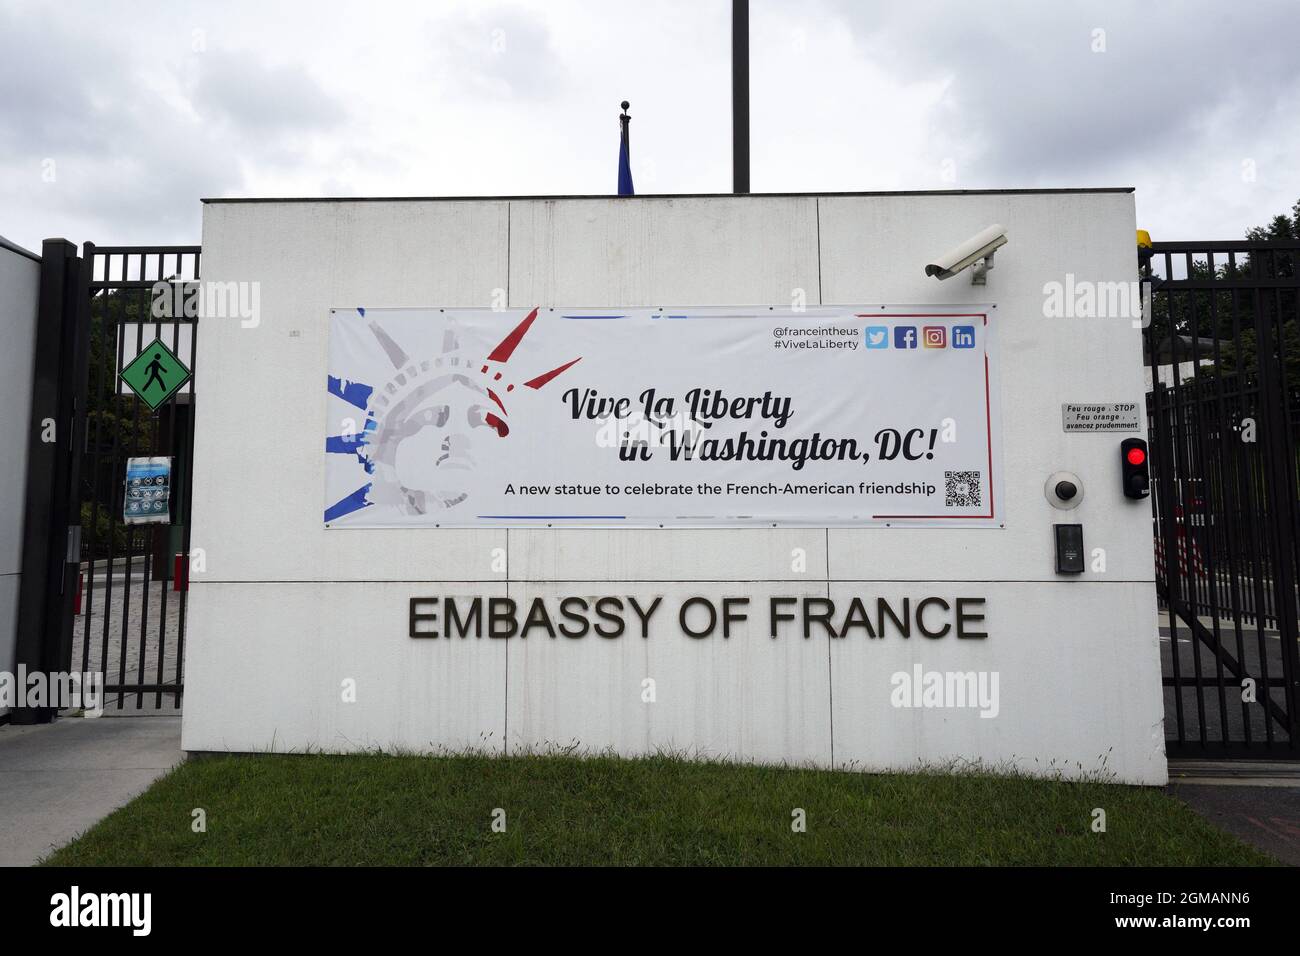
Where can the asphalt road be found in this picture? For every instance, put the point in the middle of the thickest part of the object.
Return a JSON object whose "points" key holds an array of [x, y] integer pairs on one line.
{"points": [[1267, 817], [1206, 710]]}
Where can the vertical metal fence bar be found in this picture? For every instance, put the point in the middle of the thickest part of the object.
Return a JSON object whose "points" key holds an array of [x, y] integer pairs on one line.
{"points": [[91, 474], [1228, 491], [1285, 457], [146, 446], [1199, 525], [1268, 459], [187, 490], [119, 440], [1182, 593], [1184, 442], [169, 409], [1164, 460]]}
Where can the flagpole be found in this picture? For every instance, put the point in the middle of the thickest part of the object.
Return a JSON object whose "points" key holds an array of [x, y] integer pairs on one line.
{"points": [[740, 96], [625, 187]]}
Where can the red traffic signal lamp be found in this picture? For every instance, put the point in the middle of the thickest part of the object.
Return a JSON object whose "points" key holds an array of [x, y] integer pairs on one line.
{"points": [[1134, 469]]}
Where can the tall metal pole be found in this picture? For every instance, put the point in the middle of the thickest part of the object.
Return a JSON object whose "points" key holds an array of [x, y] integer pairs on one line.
{"points": [[740, 96]]}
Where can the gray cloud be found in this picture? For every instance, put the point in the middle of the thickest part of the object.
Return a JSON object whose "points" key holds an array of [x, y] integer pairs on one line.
{"points": [[466, 98], [257, 100], [505, 54], [130, 155], [50, 75], [1027, 85]]}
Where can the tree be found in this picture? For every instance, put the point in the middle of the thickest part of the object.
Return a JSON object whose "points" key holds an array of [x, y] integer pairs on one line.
{"points": [[1281, 227], [1226, 318]]}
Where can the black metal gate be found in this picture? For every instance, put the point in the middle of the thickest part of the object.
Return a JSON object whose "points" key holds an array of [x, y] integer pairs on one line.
{"points": [[133, 582], [1223, 347]]}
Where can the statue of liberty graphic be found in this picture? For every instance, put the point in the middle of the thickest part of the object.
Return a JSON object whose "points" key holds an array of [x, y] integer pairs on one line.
{"points": [[417, 441]]}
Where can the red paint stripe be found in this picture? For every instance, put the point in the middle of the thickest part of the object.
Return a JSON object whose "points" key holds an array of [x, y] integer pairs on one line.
{"points": [[545, 377], [988, 425], [508, 345]]}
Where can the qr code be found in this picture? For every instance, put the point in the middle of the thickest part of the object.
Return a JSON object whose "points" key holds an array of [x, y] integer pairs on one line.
{"points": [[961, 489]]}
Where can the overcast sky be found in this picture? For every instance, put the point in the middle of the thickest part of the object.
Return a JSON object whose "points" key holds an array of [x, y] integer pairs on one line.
{"points": [[116, 117]]}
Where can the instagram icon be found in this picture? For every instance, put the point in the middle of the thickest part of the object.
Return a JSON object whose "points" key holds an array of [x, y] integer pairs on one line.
{"points": [[935, 336]]}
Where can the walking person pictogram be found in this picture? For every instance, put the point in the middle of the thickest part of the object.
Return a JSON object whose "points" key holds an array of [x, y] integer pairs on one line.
{"points": [[155, 374], [155, 370]]}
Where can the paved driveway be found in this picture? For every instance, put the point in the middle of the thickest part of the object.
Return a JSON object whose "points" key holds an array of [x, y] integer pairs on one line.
{"points": [[57, 780]]}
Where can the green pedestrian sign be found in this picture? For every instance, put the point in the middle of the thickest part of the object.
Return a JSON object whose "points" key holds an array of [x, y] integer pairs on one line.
{"points": [[155, 374]]}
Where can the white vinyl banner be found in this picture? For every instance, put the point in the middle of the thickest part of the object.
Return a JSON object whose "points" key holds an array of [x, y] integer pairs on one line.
{"points": [[835, 416]]}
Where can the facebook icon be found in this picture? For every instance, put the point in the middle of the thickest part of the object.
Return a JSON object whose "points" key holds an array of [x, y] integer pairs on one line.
{"points": [[963, 336], [905, 336]]}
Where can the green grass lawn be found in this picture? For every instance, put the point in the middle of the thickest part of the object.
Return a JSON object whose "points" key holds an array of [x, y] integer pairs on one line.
{"points": [[345, 810]]}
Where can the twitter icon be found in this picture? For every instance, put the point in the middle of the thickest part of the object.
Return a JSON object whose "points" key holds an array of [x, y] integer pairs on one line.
{"points": [[877, 336]]}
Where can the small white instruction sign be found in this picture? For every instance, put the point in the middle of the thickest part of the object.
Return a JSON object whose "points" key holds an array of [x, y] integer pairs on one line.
{"points": [[1100, 417]]}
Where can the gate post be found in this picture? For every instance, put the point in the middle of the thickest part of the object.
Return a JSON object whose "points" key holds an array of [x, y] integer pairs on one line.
{"points": [[52, 525]]}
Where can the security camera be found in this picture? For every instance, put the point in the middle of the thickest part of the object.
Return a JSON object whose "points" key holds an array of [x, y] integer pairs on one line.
{"points": [[977, 251]]}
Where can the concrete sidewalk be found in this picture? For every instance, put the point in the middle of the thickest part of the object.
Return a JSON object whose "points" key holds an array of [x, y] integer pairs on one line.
{"points": [[57, 780]]}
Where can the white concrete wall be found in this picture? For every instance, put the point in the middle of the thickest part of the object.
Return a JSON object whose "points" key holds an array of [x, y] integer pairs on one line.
{"points": [[285, 610], [19, 284]]}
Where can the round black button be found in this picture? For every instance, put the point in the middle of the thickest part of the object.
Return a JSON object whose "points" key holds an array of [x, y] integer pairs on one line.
{"points": [[1065, 490]]}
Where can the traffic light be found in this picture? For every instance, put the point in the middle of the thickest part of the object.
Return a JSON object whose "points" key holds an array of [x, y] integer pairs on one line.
{"points": [[1133, 463]]}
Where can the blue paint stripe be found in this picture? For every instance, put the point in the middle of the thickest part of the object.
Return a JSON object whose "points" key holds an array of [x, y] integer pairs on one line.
{"points": [[344, 444], [354, 393], [353, 502]]}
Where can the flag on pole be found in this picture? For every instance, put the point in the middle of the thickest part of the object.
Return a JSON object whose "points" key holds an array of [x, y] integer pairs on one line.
{"points": [[624, 156]]}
